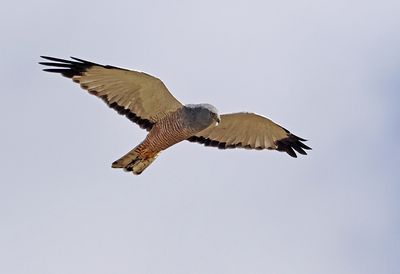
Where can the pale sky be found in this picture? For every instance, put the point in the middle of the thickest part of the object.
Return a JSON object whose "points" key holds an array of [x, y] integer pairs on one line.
{"points": [[326, 70]]}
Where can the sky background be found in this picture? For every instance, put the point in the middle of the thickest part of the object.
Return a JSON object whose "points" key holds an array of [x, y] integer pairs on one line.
{"points": [[326, 70]]}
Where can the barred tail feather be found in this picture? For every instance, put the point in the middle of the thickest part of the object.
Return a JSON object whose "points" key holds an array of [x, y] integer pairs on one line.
{"points": [[134, 161]]}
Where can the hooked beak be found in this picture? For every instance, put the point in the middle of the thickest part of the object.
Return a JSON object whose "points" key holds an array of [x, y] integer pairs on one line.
{"points": [[218, 120]]}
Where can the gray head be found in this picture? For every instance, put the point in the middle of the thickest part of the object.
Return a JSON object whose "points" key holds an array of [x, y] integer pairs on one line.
{"points": [[202, 115]]}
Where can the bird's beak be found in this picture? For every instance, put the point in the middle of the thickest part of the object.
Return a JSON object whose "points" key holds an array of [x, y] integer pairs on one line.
{"points": [[218, 120]]}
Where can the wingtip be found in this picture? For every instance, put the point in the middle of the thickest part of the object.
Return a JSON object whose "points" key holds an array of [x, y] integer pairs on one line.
{"points": [[45, 63], [299, 138], [292, 144], [291, 152], [43, 57], [47, 57]]}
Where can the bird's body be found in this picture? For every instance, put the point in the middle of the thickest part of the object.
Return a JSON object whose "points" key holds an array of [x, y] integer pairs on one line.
{"points": [[146, 101], [170, 129]]}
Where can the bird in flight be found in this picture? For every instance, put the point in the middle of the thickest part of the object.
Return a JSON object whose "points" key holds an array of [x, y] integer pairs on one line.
{"points": [[145, 100]]}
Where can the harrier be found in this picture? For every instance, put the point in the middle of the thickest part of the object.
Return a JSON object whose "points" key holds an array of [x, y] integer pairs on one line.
{"points": [[145, 100]]}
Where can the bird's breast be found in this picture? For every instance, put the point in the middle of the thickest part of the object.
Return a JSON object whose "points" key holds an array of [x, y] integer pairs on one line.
{"points": [[169, 130]]}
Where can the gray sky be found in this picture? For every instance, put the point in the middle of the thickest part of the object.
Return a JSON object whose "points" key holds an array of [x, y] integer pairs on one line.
{"points": [[326, 70]]}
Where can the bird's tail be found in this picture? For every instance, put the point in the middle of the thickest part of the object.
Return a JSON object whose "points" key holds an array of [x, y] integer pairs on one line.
{"points": [[135, 160]]}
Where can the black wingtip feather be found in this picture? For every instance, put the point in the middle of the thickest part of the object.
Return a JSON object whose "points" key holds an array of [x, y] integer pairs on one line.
{"points": [[291, 144], [291, 152], [54, 59], [52, 64], [67, 68]]}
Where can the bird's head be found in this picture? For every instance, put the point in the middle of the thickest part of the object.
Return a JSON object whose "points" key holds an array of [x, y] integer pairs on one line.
{"points": [[204, 114], [213, 112]]}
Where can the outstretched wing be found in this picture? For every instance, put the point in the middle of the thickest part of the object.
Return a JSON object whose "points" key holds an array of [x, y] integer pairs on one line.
{"points": [[251, 131], [139, 96]]}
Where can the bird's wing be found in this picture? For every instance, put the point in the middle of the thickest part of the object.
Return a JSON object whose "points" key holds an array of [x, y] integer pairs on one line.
{"points": [[139, 96], [251, 131]]}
